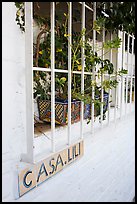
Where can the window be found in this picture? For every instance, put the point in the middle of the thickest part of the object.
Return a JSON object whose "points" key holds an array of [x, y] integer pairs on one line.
{"points": [[52, 65], [50, 70]]}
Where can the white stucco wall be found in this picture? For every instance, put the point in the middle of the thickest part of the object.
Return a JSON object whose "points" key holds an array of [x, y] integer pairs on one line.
{"points": [[13, 99]]}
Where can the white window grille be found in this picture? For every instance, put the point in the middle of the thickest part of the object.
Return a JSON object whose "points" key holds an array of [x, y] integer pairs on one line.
{"points": [[29, 157]]}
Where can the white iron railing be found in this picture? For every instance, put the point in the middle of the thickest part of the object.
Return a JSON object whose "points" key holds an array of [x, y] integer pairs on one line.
{"points": [[29, 157]]}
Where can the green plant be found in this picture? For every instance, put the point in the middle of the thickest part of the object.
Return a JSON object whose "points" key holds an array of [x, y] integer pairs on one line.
{"points": [[91, 59], [61, 87], [20, 18], [120, 15], [42, 54], [41, 85]]}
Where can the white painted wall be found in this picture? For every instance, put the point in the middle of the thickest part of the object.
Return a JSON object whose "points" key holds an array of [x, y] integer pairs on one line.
{"points": [[13, 99]]}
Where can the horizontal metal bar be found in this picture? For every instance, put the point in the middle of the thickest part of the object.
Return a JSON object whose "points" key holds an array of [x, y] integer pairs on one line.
{"points": [[75, 72], [59, 70], [41, 69], [78, 72], [129, 76], [87, 73], [125, 76]]}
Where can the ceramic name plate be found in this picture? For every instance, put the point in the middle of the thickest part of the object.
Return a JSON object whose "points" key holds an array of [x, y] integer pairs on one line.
{"points": [[30, 178]]}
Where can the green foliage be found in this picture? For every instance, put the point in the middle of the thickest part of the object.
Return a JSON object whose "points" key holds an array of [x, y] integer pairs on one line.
{"points": [[115, 43], [109, 84], [121, 15], [42, 79], [91, 59], [106, 67], [61, 86], [85, 98], [122, 71], [41, 85], [20, 17], [99, 24], [19, 4]]}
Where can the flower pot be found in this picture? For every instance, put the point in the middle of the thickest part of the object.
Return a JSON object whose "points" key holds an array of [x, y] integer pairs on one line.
{"points": [[87, 111], [87, 107], [61, 111], [105, 99]]}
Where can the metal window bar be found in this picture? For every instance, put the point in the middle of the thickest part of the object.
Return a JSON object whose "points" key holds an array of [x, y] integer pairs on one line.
{"points": [[93, 71], [109, 90], [111, 60], [29, 63], [134, 90], [134, 76], [86, 6], [127, 77], [122, 77], [69, 69], [102, 75], [116, 89], [83, 66], [64, 71], [29, 156], [59, 70], [53, 76], [131, 72]]}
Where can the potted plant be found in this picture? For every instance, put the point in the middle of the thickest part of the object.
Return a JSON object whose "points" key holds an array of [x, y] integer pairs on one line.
{"points": [[42, 59]]}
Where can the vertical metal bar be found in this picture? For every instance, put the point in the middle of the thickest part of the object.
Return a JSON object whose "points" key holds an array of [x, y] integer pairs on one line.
{"points": [[102, 75], [93, 70], [131, 72], [29, 157], [122, 78], [134, 68], [134, 90], [83, 66], [111, 60], [53, 76], [127, 76], [69, 69], [109, 91], [115, 109]]}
